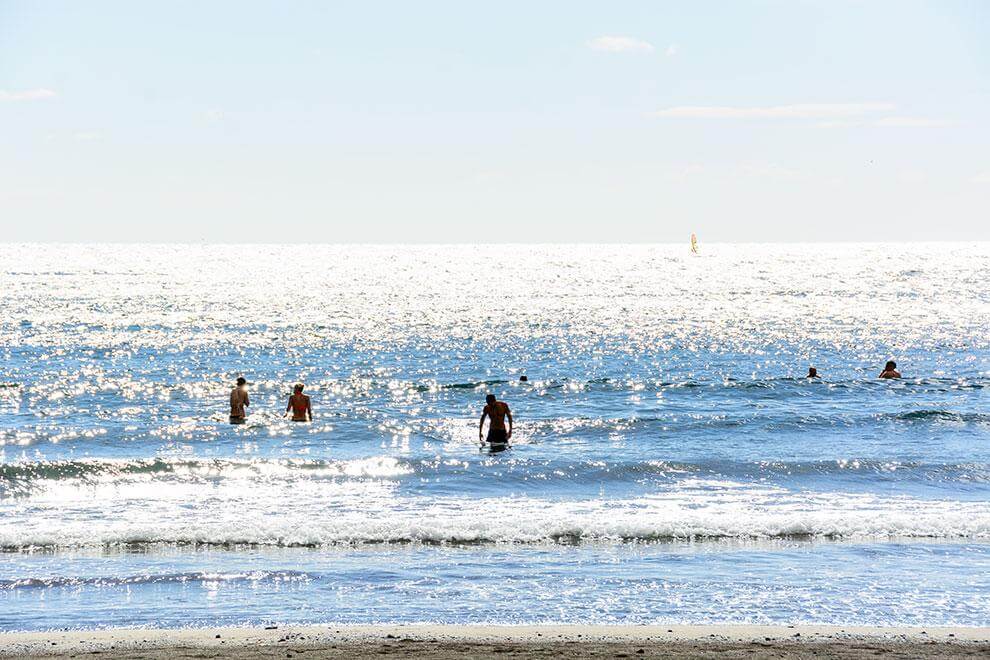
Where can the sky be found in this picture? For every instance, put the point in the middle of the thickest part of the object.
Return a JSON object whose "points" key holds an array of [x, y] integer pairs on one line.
{"points": [[508, 122]]}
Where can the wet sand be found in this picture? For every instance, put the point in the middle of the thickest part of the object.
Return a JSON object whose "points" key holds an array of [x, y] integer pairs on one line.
{"points": [[436, 641]]}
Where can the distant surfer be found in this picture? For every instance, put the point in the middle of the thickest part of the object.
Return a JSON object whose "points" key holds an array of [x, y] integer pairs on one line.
{"points": [[812, 372], [890, 370], [497, 411], [302, 410], [694, 244], [239, 401]]}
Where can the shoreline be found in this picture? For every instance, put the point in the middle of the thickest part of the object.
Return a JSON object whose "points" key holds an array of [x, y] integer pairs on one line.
{"points": [[463, 641]]}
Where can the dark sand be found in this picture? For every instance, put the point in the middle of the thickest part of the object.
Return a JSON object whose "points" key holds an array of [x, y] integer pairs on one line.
{"points": [[428, 641]]}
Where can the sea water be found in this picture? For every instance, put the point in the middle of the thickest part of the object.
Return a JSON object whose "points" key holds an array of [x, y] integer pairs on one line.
{"points": [[670, 462]]}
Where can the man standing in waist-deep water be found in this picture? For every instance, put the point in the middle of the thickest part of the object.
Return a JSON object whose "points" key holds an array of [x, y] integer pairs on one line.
{"points": [[302, 410], [239, 401], [497, 411]]}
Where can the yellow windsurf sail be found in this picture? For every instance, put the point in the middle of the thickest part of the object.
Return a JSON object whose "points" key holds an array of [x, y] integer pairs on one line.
{"points": [[694, 244]]}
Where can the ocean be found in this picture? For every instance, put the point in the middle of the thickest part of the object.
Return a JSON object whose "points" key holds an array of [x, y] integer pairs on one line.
{"points": [[670, 462]]}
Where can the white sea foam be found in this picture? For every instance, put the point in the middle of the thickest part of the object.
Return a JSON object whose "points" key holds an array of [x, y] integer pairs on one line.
{"points": [[310, 514]]}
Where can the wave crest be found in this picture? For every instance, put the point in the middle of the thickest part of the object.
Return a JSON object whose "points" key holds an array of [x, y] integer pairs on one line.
{"points": [[719, 512]]}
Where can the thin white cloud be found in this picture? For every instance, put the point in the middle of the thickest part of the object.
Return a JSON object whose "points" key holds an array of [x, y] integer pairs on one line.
{"points": [[78, 136], [982, 177], [27, 95], [671, 50], [904, 122], [793, 111], [614, 44], [837, 123], [912, 122]]}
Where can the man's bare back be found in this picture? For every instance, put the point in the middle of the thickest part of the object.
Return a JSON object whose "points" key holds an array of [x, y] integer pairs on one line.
{"points": [[890, 371], [497, 411], [238, 402]]}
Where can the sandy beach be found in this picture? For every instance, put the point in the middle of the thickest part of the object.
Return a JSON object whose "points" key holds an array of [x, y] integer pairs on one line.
{"points": [[438, 641]]}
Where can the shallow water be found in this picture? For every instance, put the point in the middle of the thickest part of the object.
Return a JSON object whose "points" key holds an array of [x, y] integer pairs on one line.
{"points": [[670, 462]]}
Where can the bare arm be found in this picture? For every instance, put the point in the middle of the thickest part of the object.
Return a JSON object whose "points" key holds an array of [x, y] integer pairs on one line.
{"points": [[309, 408], [508, 413], [288, 406], [481, 423]]}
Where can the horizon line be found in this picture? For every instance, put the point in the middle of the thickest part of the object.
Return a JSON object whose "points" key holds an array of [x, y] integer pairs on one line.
{"points": [[508, 243]]}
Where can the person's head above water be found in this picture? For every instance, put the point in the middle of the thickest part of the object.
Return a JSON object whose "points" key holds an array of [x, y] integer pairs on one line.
{"points": [[241, 381], [298, 388], [890, 370], [812, 372], [490, 398]]}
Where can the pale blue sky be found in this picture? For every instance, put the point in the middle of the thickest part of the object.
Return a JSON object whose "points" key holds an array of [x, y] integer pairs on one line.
{"points": [[508, 121]]}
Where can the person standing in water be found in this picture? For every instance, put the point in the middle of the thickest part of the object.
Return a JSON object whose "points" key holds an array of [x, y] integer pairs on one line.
{"points": [[812, 373], [497, 411], [239, 401], [302, 410], [890, 370]]}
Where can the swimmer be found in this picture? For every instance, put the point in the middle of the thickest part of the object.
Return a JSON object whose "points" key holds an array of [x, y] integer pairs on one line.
{"points": [[302, 410], [239, 401], [890, 370], [812, 373], [497, 411]]}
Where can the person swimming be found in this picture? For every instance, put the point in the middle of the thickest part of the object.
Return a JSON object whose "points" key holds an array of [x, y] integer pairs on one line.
{"points": [[890, 370], [239, 401], [812, 373], [299, 404], [497, 411]]}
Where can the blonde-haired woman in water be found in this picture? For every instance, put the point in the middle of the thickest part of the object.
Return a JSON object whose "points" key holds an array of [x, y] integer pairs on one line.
{"points": [[302, 410]]}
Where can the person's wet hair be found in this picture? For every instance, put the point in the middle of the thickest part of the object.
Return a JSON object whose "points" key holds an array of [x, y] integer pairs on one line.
{"points": [[890, 365], [298, 387], [242, 381], [490, 398]]}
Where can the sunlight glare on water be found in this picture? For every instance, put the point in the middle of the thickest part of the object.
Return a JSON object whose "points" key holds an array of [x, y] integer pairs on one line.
{"points": [[665, 435]]}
